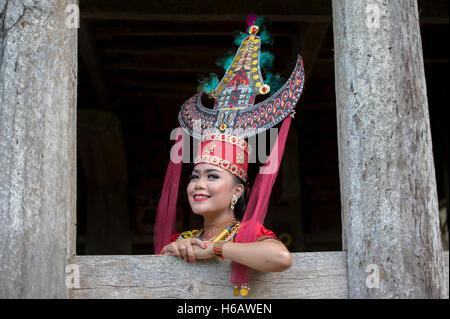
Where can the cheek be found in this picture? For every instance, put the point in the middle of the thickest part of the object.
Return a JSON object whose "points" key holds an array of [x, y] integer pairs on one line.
{"points": [[220, 190], [190, 188]]}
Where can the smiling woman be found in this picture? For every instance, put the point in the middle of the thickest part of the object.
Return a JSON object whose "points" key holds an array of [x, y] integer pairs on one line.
{"points": [[212, 194]]}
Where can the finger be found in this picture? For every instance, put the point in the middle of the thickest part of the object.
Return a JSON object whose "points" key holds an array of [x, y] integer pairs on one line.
{"points": [[190, 252], [164, 251], [170, 252], [198, 242], [183, 251], [175, 251], [190, 255]]}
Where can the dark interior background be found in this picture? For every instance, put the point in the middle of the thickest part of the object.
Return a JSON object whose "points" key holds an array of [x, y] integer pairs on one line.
{"points": [[139, 61]]}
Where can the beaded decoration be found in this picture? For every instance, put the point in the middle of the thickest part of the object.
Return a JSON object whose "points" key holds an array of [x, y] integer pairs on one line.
{"points": [[230, 234], [234, 112]]}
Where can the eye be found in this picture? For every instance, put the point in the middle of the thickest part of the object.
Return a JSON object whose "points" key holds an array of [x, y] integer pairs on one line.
{"points": [[193, 176], [213, 176]]}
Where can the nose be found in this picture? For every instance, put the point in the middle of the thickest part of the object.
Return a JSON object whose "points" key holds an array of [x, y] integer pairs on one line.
{"points": [[200, 184]]}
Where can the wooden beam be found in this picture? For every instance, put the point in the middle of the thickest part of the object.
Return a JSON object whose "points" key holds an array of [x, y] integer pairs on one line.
{"points": [[312, 275], [316, 275], [434, 20], [200, 18], [197, 18], [426, 60], [108, 33], [173, 69], [387, 177]]}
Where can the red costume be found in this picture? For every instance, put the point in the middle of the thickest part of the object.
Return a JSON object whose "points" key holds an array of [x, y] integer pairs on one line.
{"points": [[261, 233]]}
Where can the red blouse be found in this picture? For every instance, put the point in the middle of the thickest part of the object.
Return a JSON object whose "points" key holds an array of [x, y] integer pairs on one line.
{"points": [[262, 233]]}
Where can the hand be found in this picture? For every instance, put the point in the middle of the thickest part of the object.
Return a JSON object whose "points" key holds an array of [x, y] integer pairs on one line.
{"points": [[186, 249], [204, 253]]}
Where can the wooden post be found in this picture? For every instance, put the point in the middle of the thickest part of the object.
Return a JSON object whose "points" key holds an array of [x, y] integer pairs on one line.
{"points": [[38, 67], [388, 187]]}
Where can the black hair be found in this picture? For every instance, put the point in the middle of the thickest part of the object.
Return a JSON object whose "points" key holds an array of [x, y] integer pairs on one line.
{"points": [[241, 204]]}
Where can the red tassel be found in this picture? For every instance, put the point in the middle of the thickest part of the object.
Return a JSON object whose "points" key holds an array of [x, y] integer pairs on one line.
{"points": [[167, 207], [259, 200]]}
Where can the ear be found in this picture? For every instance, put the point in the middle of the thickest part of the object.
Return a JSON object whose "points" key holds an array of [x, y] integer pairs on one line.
{"points": [[238, 190]]}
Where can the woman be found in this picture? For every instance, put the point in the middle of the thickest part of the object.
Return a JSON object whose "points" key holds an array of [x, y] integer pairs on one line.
{"points": [[212, 192], [216, 189]]}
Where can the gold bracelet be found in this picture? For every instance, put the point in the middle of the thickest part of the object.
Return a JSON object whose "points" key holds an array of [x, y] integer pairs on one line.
{"points": [[218, 248]]}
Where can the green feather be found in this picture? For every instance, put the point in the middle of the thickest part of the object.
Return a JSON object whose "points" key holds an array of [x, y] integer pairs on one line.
{"points": [[261, 20], [266, 38], [266, 60], [239, 36], [226, 60], [275, 81], [207, 83]]}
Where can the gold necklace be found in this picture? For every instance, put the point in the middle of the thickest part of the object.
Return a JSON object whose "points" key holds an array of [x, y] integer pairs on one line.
{"points": [[210, 231]]}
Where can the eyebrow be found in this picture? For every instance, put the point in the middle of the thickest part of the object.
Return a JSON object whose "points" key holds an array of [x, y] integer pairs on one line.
{"points": [[206, 170]]}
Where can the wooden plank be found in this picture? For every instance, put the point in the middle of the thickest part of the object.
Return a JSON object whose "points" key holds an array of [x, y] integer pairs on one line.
{"points": [[198, 18], [446, 264], [388, 189], [110, 33], [38, 85], [312, 275]]}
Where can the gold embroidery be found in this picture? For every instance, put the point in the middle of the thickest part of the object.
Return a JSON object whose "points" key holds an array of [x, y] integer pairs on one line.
{"points": [[240, 158], [210, 147], [189, 234]]}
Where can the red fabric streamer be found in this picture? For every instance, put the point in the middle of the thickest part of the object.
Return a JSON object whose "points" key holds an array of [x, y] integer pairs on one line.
{"points": [[167, 207], [259, 200]]}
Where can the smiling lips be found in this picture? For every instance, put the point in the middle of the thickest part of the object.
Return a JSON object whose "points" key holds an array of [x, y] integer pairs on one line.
{"points": [[200, 197]]}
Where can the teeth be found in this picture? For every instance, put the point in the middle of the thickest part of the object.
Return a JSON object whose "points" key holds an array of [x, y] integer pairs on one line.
{"points": [[200, 196]]}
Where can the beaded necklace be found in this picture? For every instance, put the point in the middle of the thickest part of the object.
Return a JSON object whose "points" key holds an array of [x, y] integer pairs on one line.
{"points": [[212, 230], [227, 233]]}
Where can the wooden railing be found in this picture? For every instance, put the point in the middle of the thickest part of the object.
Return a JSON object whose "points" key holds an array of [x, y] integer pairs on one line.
{"points": [[312, 275]]}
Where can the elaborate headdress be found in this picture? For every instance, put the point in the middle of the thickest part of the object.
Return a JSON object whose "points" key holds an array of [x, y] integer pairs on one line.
{"points": [[223, 129]]}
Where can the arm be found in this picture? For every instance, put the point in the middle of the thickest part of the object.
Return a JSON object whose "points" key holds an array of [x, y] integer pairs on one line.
{"points": [[266, 255]]}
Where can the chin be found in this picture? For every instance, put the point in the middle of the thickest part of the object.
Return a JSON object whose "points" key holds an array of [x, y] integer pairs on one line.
{"points": [[198, 210], [202, 210]]}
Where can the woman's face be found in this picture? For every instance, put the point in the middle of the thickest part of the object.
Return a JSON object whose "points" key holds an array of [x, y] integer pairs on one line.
{"points": [[210, 189]]}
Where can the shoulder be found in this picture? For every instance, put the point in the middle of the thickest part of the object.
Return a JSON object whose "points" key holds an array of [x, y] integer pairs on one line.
{"points": [[185, 234], [261, 231]]}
